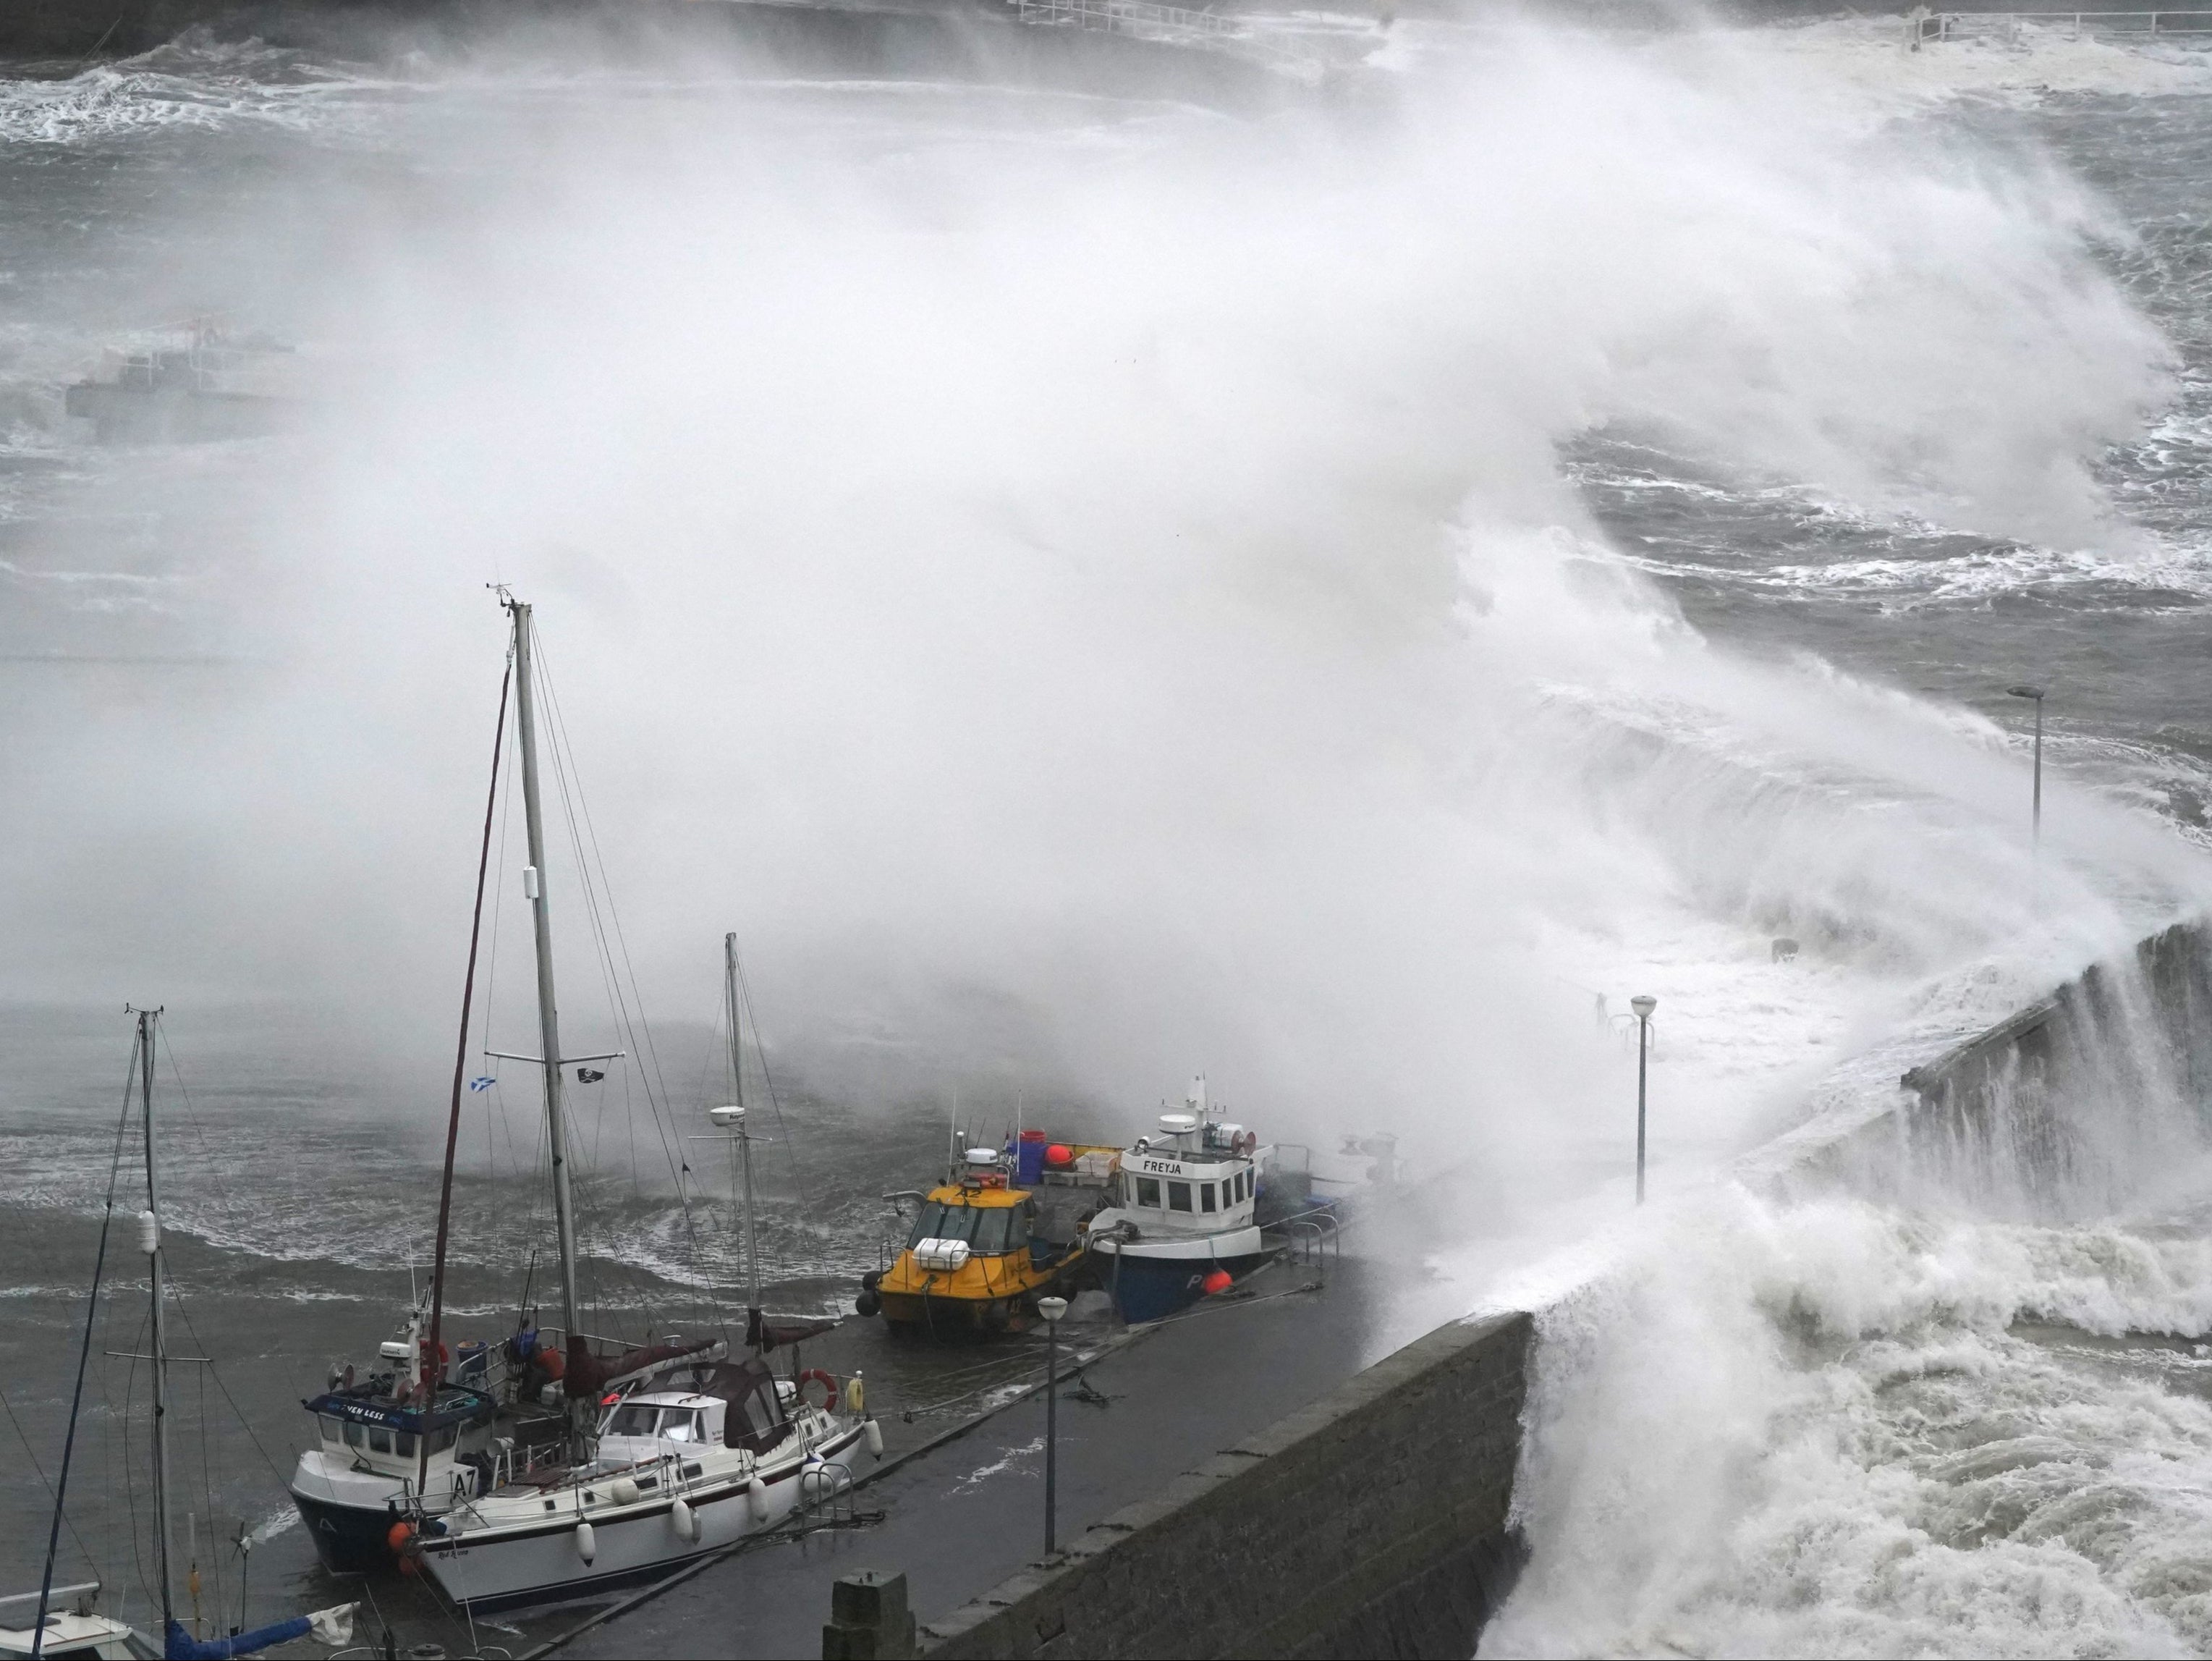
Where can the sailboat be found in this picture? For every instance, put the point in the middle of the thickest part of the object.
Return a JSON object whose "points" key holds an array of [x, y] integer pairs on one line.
{"points": [[79, 1630], [644, 1479]]}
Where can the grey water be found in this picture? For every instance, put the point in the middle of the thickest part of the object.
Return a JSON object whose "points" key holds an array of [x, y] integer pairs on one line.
{"points": [[245, 696]]}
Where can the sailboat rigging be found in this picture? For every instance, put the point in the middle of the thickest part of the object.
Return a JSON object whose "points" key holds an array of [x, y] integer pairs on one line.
{"points": [[671, 1449], [80, 1631]]}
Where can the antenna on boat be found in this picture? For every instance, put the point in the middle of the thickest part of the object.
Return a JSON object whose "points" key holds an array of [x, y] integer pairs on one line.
{"points": [[149, 1242], [745, 1142]]}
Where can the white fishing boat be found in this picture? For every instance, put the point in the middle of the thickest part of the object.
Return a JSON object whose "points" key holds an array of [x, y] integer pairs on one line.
{"points": [[667, 1452], [1181, 1225]]}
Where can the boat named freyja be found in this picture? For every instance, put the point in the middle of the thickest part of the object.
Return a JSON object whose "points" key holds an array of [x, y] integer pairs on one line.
{"points": [[1181, 1225], [705, 1457]]}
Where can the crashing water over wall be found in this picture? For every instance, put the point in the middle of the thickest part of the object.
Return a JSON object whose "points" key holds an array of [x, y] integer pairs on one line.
{"points": [[2062, 1111], [1928, 1382]]}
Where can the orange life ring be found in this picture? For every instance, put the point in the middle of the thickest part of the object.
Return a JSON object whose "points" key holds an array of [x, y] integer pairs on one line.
{"points": [[828, 1383]]}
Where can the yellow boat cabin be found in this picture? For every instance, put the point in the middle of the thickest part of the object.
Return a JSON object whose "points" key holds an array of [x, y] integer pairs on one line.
{"points": [[985, 1246]]}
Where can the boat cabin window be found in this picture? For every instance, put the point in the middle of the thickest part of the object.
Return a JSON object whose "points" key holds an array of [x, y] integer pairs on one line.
{"points": [[1178, 1197], [1205, 1196], [999, 1229], [333, 1429], [1148, 1191], [1244, 1185], [631, 1418], [443, 1440], [679, 1424], [354, 1434], [403, 1443], [939, 1221], [380, 1439]]}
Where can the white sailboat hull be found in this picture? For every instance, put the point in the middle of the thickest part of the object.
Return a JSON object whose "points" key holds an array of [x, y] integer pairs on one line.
{"points": [[540, 1559]]}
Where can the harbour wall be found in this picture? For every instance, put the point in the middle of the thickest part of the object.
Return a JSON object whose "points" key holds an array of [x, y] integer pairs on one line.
{"points": [[1377, 1522], [1374, 1522], [2058, 1112]]}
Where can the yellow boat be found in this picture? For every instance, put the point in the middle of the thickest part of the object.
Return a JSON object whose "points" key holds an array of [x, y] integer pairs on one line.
{"points": [[987, 1244]]}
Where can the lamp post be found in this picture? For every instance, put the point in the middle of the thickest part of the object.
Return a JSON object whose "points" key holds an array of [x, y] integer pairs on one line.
{"points": [[1051, 1309], [2035, 692], [1643, 1005]]}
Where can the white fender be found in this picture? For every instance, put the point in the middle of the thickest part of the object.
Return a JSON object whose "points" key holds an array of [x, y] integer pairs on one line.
{"points": [[756, 1496], [687, 1525], [624, 1490], [587, 1544], [875, 1439]]}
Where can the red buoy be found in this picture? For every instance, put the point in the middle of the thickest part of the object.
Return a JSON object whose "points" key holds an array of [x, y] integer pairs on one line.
{"points": [[398, 1536], [1219, 1280], [1060, 1153]]}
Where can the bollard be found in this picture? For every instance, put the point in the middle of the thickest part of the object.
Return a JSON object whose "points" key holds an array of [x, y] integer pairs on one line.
{"points": [[869, 1620]]}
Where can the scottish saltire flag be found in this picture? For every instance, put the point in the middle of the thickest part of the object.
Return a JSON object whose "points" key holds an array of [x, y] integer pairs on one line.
{"points": [[482, 1084]]}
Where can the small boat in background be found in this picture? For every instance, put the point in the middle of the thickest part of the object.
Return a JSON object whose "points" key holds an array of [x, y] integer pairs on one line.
{"points": [[198, 384], [1183, 1222]]}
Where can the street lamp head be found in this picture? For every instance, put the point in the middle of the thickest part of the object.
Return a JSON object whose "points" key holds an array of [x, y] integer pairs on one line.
{"points": [[2035, 692], [1052, 1308], [1643, 1005]]}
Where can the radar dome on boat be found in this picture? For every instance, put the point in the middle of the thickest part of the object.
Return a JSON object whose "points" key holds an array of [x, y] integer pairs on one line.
{"points": [[982, 1156], [726, 1114], [1178, 1124]]}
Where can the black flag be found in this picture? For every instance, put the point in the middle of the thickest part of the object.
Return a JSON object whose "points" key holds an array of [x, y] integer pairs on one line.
{"points": [[588, 1075]]}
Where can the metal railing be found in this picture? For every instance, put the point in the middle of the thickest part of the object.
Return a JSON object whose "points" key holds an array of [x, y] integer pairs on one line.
{"points": [[825, 1495], [1922, 26], [1172, 26], [1311, 1240]]}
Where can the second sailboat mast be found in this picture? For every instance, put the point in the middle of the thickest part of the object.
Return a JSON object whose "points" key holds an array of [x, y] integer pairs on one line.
{"points": [[745, 1140], [548, 1020]]}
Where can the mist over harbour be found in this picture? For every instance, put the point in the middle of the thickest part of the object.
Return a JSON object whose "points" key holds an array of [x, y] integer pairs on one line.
{"points": [[1333, 593]]}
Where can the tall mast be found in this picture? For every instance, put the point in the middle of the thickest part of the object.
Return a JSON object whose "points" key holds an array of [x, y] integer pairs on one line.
{"points": [[737, 1085], [548, 1020], [149, 1239], [426, 1359]]}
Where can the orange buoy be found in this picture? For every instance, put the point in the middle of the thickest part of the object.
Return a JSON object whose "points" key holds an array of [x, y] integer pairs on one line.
{"points": [[1060, 1153], [1219, 1280], [398, 1536]]}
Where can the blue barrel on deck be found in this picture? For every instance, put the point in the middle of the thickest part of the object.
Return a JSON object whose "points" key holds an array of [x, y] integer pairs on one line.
{"points": [[1029, 1158]]}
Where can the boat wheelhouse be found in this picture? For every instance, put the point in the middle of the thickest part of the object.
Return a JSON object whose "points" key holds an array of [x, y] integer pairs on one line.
{"points": [[1182, 1222], [379, 1453], [1002, 1231]]}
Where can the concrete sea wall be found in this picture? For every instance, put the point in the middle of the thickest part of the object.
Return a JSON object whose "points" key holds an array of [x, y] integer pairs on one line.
{"points": [[1376, 1522], [1373, 1523], [2055, 1112]]}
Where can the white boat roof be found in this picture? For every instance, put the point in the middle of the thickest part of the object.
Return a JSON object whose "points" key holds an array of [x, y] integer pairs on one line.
{"points": [[66, 1632]]}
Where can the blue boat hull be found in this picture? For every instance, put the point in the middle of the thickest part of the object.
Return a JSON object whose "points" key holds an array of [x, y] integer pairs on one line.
{"points": [[1153, 1288], [349, 1539]]}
